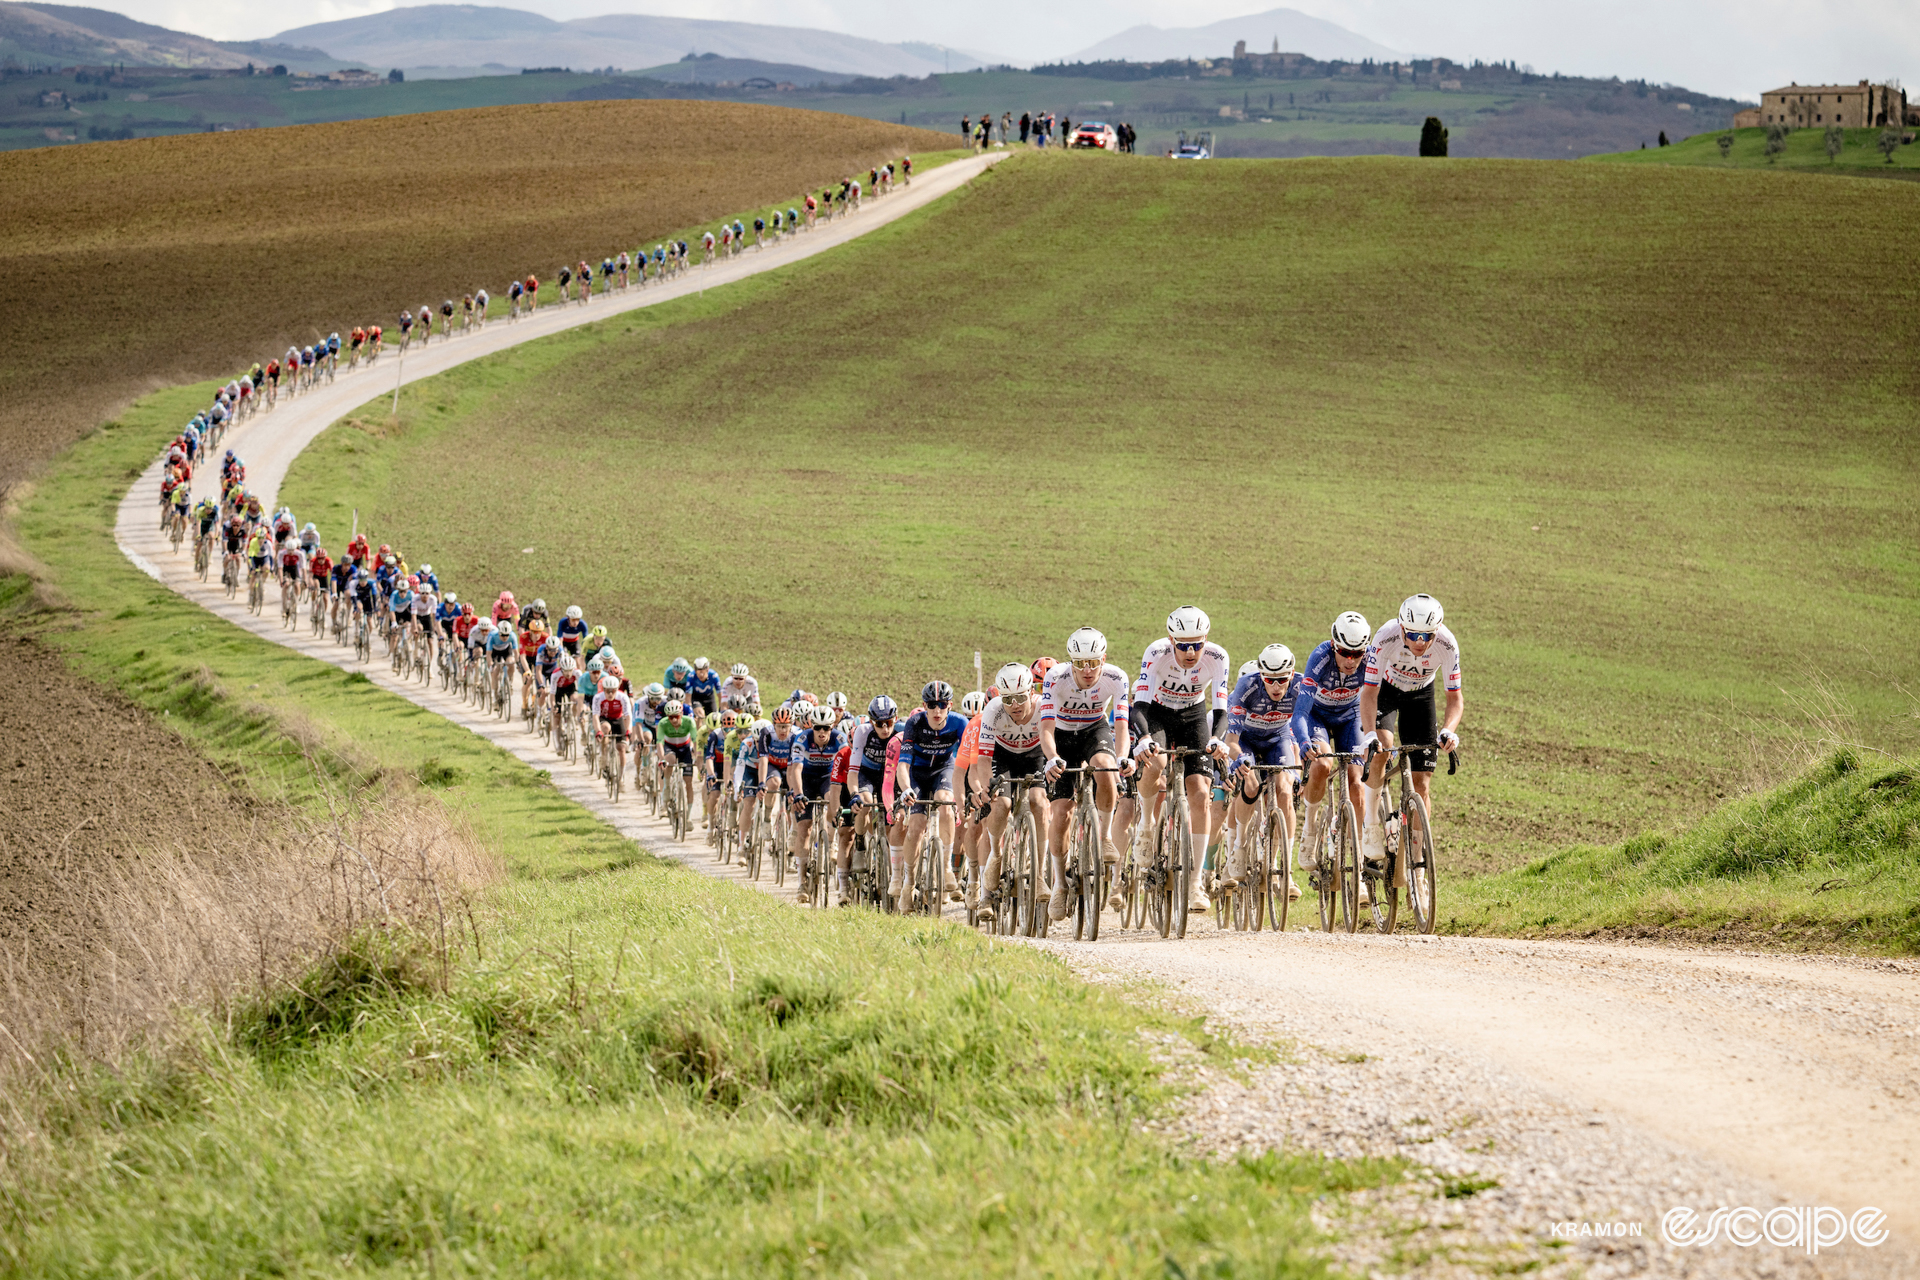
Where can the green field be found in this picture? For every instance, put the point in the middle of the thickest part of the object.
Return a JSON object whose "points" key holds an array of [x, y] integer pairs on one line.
{"points": [[1492, 112], [1557, 397], [626, 1067], [1805, 150]]}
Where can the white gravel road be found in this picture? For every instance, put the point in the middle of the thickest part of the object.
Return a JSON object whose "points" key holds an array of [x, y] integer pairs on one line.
{"points": [[1598, 1086]]}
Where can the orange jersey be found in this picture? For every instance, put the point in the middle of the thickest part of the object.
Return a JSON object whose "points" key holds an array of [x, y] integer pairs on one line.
{"points": [[969, 746]]}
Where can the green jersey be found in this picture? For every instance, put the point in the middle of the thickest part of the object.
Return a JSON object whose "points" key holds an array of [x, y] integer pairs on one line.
{"points": [[675, 731]]}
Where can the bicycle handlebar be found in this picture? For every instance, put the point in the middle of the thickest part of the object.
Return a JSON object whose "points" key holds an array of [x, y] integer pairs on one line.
{"points": [[1453, 757]]}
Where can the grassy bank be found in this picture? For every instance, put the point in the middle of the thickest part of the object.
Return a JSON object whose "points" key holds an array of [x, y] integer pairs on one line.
{"points": [[1830, 860], [629, 1067], [1806, 149], [1094, 388]]}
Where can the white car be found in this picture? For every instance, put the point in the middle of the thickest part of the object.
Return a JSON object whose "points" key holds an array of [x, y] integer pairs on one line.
{"points": [[1198, 147], [1094, 133]]}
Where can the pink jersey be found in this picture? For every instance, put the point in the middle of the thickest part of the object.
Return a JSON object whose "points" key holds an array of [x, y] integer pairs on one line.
{"points": [[893, 759]]}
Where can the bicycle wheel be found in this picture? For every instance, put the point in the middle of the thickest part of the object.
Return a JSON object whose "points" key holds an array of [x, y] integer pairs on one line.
{"points": [[933, 875], [1092, 896], [1022, 860], [779, 829], [1418, 856], [1180, 863], [1279, 869], [1216, 877], [821, 860], [1383, 900], [1347, 863], [754, 843], [1326, 862]]}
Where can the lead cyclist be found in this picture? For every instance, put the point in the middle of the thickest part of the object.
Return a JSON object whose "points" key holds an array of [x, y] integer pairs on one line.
{"points": [[1083, 722], [1180, 700], [1406, 657]]}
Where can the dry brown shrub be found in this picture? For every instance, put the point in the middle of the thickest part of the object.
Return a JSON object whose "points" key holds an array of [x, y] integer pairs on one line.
{"points": [[139, 949]]}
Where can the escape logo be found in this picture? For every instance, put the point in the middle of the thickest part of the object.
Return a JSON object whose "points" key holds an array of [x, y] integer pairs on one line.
{"points": [[1788, 1227]]}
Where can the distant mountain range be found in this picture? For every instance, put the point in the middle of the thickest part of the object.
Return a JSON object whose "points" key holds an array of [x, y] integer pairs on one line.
{"points": [[69, 35], [1293, 31], [458, 35]]}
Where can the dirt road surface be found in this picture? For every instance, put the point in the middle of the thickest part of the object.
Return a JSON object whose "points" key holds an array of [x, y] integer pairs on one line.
{"points": [[1589, 1084]]}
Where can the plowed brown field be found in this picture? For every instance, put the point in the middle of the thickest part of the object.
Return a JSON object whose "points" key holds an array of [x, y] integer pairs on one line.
{"points": [[130, 265]]}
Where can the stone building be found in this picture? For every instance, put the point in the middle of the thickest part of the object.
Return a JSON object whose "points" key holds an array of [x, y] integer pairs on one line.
{"points": [[1814, 106]]}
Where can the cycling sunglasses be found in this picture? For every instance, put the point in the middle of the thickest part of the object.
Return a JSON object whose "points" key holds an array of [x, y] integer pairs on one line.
{"points": [[1189, 646], [1088, 664], [1349, 653], [1418, 637], [1014, 699], [944, 702]]}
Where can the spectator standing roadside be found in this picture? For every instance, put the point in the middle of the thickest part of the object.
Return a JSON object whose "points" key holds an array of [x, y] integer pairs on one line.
{"points": [[966, 130], [1026, 126], [1006, 126]]}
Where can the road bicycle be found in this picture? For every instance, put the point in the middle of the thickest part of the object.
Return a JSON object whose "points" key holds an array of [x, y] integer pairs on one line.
{"points": [[816, 875], [402, 651], [869, 865], [362, 633], [676, 771], [317, 616], [256, 588], [230, 573], [1158, 891], [646, 779], [1254, 888], [759, 830], [1018, 909], [1085, 875], [1334, 849], [202, 555], [1409, 845], [927, 866]]}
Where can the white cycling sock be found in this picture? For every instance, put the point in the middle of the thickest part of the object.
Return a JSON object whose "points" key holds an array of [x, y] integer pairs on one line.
{"points": [[1373, 799], [1103, 825]]}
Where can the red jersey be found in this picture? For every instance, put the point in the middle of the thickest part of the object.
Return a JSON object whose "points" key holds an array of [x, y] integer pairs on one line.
{"points": [[839, 771], [463, 624], [321, 565], [357, 549]]}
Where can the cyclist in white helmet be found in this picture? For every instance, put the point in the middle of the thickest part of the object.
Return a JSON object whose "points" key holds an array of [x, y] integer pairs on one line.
{"points": [[1398, 694], [1008, 752], [741, 684], [1180, 702], [1326, 716], [1260, 732], [1083, 722]]}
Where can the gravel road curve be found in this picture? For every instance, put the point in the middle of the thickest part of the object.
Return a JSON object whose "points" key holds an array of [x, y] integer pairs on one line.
{"points": [[1594, 1084]]}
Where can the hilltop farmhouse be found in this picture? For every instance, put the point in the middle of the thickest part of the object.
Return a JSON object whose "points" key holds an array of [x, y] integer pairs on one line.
{"points": [[1851, 106]]}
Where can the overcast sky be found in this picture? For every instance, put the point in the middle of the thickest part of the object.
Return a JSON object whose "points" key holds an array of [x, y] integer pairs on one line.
{"points": [[1730, 47]]}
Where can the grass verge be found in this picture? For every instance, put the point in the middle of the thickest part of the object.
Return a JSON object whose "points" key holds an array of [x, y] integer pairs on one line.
{"points": [[637, 1070], [1830, 860]]}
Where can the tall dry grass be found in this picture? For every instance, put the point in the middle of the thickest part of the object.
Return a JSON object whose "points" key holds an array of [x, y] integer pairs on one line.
{"points": [[140, 951]]}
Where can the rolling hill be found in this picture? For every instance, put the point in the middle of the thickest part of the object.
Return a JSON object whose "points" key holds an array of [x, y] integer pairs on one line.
{"points": [[554, 180], [473, 36], [1554, 395], [66, 35], [1293, 31]]}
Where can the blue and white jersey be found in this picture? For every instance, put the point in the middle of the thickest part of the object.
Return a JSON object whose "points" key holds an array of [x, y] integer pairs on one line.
{"points": [[1258, 716], [648, 712], [923, 747], [814, 757], [870, 754], [401, 601], [1324, 691], [777, 751]]}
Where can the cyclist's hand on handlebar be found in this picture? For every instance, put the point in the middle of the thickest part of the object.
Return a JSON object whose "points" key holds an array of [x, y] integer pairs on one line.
{"points": [[1369, 743], [1450, 740], [1216, 748], [1054, 768], [1126, 767]]}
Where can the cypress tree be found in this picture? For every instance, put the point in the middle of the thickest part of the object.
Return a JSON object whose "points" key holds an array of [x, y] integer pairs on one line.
{"points": [[1433, 138]]}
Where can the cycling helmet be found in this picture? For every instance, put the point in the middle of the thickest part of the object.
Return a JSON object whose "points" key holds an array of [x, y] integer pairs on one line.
{"points": [[1040, 668], [680, 664], [727, 719], [606, 651], [609, 684], [654, 690], [1188, 622], [825, 717], [594, 664], [393, 560], [740, 670], [882, 708], [385, 549], [701, 664], [506, 597], [797, 695], [783, 714], [1276, 660], [1012, 678], [413, 582], [837, 700], [973, 703], [538, 606], [1086, 643], [1417, 613], [937, 693], [1249, 667], [573, 612], [753, 709], [308, 528], [566, 663], [758, 724], [453, 597], [1350, 631], [673, 707], [598, 633]]}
